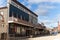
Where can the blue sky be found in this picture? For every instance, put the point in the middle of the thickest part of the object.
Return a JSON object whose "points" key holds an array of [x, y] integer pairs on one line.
{"points": [[3, 3], [48, 10]]}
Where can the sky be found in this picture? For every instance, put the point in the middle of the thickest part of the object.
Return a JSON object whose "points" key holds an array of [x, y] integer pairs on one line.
{"points": [[48, 11]]}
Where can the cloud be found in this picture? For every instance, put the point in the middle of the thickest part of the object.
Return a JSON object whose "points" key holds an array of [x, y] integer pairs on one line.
{"points": [[41, 11], [53, 22], [29, 6], [24, 2], [44, 9], [38, 1], [47, 6], [48, 22], [3, 3], [52, 25], [58, 17]]}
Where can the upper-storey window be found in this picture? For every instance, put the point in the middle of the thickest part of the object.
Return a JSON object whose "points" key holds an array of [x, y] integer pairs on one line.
{"points": [[17, 13], [10, 14], [13, 14]]}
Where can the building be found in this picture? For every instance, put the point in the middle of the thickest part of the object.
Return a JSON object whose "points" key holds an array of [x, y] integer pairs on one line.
{"points": [[58, 26], [40, 29], [16, 20]]}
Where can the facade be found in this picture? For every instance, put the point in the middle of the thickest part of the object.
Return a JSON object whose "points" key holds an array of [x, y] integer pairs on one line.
{"points": [[18, 21], [3, 21], [21, 20]]}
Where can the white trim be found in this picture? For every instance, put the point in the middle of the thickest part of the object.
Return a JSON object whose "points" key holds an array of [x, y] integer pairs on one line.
{"points": [[10, 21]]}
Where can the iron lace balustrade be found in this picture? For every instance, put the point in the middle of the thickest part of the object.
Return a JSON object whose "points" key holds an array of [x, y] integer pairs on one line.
{"points": [[20, 21]]}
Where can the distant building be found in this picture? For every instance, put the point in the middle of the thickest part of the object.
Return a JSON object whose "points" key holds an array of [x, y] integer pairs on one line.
{"points": [[58, 26]]}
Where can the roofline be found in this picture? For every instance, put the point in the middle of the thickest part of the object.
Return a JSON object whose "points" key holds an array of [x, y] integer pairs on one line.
{"points": [[3, 7], [24, 7]]}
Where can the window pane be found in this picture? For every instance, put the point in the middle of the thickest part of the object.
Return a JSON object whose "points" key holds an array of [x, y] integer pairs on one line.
{"points": [[0, 17], [18, 29], [10, 14]]}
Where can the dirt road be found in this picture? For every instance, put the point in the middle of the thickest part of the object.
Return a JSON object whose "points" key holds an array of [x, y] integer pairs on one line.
{"points": [[54, 37]]}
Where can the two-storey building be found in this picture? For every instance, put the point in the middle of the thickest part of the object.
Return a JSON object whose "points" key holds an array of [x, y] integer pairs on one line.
{"points": [[17, 20]]}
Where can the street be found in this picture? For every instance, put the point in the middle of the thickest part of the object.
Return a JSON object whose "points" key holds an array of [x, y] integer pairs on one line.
{"points": [[53, 37]]}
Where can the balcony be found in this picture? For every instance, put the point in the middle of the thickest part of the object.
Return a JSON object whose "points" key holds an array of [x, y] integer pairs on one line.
{"points": [[20, 21]]}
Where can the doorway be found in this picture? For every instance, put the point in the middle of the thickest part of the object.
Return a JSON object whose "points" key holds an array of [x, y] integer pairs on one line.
{"points": [[28, 32]]}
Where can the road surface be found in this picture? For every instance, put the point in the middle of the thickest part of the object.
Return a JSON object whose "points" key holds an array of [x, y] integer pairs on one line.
{"points": [[53, 37]]}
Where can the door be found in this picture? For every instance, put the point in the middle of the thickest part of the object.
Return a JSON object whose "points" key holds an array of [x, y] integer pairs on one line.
{"points": [[3, 36], [28, 32]]}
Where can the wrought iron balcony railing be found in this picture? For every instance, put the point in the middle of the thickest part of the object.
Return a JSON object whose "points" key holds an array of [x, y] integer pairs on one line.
{"points": [[23, 22], [20, 21]]}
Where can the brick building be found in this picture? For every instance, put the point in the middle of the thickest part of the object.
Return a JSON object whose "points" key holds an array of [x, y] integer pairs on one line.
{"points": [[16, 20]]}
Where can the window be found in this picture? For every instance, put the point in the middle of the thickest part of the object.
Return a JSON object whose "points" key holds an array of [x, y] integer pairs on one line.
{"points": [[0, 17], [2, 25], [15, 15], [18, 30], [19, 15], [11, 28], [1, 13], [10, 14]]}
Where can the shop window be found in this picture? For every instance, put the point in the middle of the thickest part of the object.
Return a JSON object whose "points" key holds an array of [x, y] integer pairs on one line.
{"points": [[18, 30], [11, 28]]}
